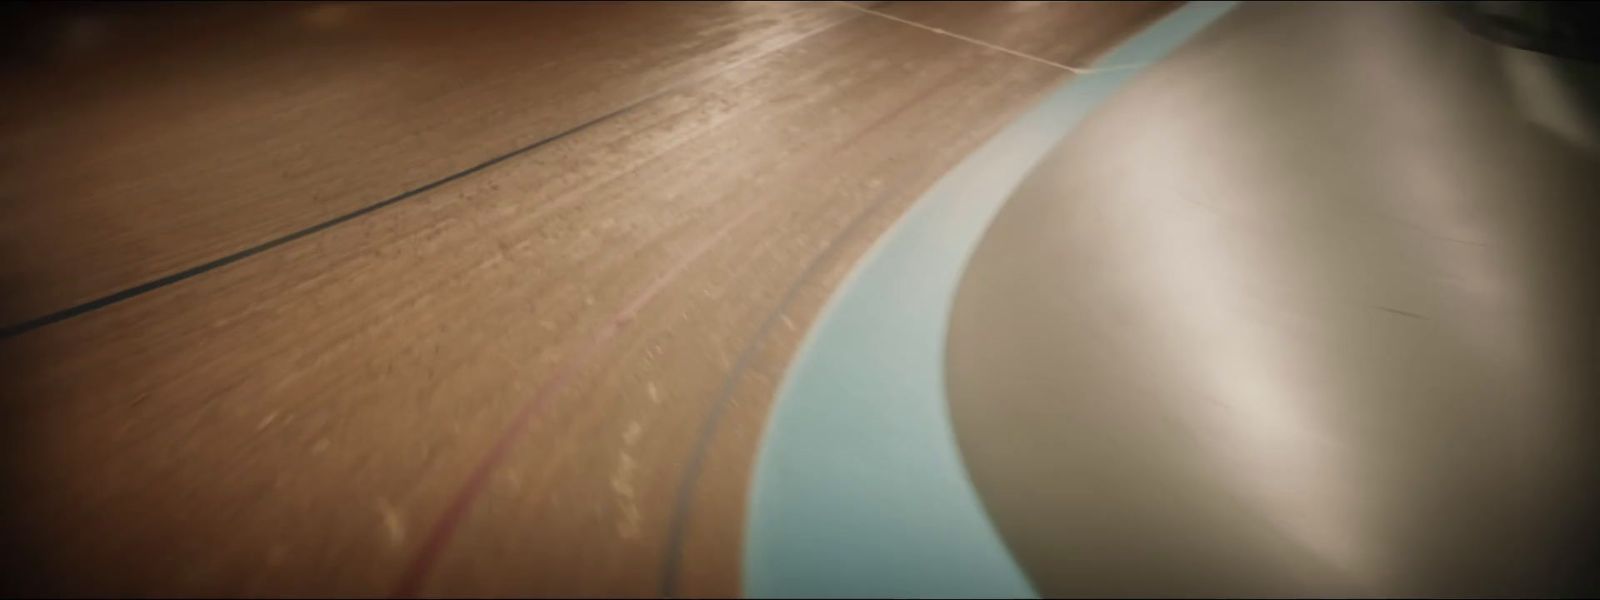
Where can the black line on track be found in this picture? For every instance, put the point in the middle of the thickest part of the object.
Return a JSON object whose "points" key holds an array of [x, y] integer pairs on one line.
{"points": [[16, 329]]}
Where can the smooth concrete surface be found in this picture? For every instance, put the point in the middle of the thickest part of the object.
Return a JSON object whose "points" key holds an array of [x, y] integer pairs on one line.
{"points": [[1308, 309]]}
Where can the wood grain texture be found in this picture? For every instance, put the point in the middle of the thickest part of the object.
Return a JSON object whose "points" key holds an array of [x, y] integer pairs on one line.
{"points": [[143, 141], [296, 422]]}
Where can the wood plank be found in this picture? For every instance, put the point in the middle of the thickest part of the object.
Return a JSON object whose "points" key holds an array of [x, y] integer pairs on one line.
{"points": [[297, 422], [140, 141]]}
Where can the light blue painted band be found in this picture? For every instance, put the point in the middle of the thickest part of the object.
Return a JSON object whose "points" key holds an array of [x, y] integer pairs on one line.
{"points": [[859, 487]]}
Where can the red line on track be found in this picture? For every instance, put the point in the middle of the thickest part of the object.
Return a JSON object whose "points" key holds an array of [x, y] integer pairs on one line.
{"points": [[445, 526]]}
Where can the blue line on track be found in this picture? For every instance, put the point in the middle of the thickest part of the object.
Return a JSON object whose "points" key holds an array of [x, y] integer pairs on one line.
{"points": [[859, 487]]}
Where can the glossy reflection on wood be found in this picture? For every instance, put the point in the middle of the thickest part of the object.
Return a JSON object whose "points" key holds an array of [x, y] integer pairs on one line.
{"points": [[297, 422], [141, 141]]}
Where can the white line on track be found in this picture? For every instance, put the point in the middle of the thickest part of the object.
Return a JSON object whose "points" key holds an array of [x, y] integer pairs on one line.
{"points": [[969, 40]]}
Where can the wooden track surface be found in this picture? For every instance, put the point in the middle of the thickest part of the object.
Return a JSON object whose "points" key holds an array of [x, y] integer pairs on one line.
{"points": [[245, 123], [595, 325]]}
